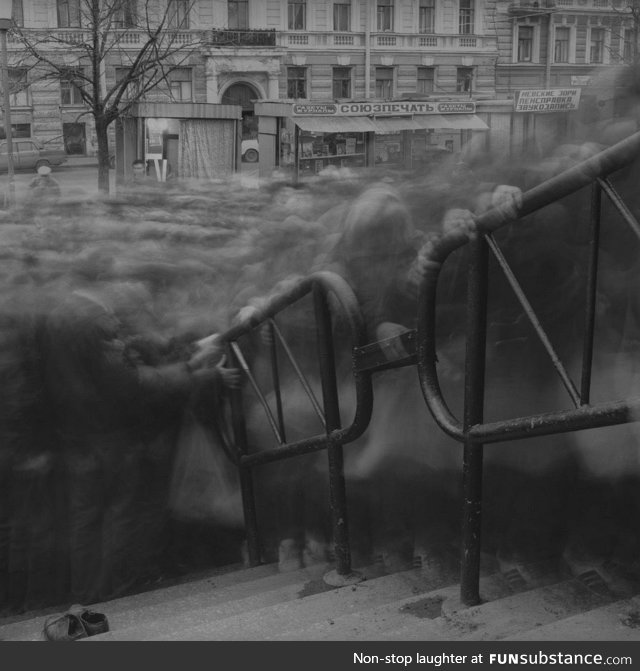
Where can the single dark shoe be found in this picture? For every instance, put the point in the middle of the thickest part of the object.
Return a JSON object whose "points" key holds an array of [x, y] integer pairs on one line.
{"points": [[67, 627], [93, 623]]}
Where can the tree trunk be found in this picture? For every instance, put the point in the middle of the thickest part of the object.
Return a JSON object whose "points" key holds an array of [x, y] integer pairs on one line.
{"points": [[103, 156]]}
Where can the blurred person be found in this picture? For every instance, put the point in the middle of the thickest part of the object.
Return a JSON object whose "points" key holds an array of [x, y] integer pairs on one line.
{"points": [[44, 187], [139, 172], [107, 406]]}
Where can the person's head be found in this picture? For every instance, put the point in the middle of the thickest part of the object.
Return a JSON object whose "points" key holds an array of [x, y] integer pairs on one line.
{"points": [[139, 168], [378, 219], [44, 171]]}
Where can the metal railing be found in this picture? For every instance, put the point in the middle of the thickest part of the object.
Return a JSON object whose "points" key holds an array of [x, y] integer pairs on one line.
{"points": [[320, 287], [471, 430], [420, 346]]}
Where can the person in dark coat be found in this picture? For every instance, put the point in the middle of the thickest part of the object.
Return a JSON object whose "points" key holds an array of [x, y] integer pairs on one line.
{"points": [[107, 406]]}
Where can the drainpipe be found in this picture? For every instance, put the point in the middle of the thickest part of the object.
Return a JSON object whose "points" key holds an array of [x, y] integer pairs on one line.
{"points": [[367, 50], [547, 69]]}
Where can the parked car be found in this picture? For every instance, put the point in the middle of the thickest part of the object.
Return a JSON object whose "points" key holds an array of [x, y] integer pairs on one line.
{"points": [[249, 149], [30, 154]]}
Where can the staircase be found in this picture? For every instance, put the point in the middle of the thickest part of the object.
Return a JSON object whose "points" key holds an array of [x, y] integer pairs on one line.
{"points": [[264, 604]]}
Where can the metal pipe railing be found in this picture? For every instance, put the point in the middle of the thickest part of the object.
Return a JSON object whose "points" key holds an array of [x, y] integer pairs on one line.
{"points": [[472, 431], [320, 286]]}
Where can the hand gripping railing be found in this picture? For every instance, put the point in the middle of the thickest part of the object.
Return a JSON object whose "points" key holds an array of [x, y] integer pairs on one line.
{"points": [[320, 285], [471, 430]]}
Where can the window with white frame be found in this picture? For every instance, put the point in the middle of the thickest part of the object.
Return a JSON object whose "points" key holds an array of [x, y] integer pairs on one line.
{"points": [[17, 12], [178, 14], [427, 17], [341, 82], [426, 80], [466, 17], [562, 44], [596, 45], [19, 88], [71, 83], [238, 14], [342, 16], [384, 15], [525, 44], [181, 84], [296, 82], [384, 82], [297, 14], [68, 13], [464, 80], [125, 14]]}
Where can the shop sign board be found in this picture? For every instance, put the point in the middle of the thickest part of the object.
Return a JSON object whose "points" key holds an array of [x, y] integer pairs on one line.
{"points": [[382, 108], [548, 100]]}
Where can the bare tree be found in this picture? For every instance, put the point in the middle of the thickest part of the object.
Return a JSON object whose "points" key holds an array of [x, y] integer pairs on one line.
{"points": [[147, 40]]}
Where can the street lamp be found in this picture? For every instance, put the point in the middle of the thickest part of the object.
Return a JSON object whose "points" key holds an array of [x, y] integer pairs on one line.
{"points": [[6, 10]]}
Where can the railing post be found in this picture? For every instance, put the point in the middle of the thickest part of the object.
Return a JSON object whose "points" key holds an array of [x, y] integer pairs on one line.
{"points": [[337, 486], [473, 414], [245, 473]]}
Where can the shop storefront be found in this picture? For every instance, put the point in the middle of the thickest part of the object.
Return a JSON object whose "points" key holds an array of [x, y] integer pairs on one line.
{"points": [[306, 138]]}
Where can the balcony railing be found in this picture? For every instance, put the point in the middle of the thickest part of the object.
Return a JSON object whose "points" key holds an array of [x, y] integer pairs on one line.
{"points": [[532, 6], [70, 37], [243, 38], [396, 41], [283, 39]]}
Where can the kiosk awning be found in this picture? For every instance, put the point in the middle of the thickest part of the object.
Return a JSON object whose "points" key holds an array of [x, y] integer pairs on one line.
{"points": [[343, 124], [362, 124], [432, 121]]}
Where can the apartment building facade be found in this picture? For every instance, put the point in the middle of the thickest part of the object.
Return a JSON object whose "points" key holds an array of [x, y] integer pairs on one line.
{"points": [[586, 46], [255, 53], [254, 50]]}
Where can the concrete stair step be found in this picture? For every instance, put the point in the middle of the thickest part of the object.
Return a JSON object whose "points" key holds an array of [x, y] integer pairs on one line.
{"points": [[223, 586], [299, 605], [617, 621], [506, 617]]}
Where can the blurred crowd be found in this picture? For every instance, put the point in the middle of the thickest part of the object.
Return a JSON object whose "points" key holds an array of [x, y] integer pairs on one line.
{"points": [[106, 350]]}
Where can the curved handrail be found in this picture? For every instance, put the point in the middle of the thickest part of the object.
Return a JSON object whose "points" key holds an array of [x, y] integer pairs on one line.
{"points": [[438, 248], [328, 283]]}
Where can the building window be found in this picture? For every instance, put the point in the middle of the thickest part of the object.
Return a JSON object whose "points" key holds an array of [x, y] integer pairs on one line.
{"points": [[68, 13], [178, 14], [296, 82], [70, 92], [238, 14], [627, 45], [525, 44], [125, 15], [427, 16], [466, 17], [384, 15], [342, 82], [297, 14], [180, 85], [464, 80], [561, 47], [130, 91], [596, 46], [384, 83], [342, 16], [18, 87], [426, 82], [17, 12]]}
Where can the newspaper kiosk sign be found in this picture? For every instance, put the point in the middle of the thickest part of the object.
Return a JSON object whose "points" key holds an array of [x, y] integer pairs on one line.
{"points": [[548, 100]]}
